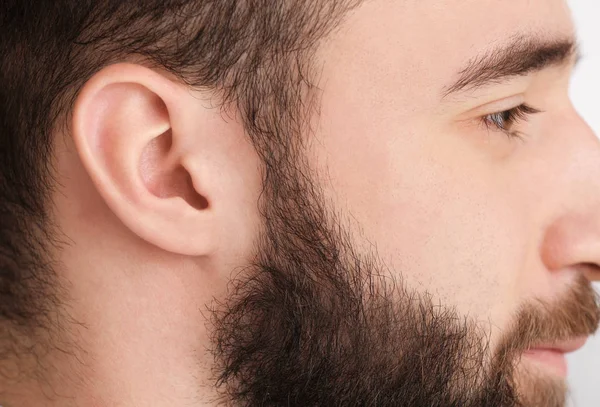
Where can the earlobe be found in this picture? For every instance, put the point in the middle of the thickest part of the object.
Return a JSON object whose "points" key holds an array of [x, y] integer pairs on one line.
{"points": [[131, 144]]}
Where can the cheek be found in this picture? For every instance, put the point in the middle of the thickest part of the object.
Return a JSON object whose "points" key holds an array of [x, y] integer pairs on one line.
{"points": [[435, 211]]}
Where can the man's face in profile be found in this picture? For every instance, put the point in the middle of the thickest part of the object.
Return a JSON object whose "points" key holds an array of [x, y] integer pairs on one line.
{"points": [[430, 259], [427, 240]]}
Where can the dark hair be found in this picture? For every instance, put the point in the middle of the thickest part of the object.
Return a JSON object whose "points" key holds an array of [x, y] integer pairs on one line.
{"points": [[254, 54]]}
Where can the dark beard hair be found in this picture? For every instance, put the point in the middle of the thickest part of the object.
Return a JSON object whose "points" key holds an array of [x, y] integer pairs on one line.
{"points": [[315, 323]]}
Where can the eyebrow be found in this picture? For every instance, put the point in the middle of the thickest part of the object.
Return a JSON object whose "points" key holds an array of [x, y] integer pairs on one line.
{"points": [[522, 56]]}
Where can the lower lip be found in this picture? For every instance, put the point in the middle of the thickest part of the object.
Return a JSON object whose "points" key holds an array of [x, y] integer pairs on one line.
{"points": [[553, 359]]}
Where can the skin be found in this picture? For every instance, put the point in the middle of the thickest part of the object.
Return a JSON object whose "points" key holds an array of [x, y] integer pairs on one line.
{"points": [[481, 222], [467, 214]]}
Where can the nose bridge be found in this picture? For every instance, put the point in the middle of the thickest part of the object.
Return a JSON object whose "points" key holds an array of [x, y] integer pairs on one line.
{"points": [[584, 167]]}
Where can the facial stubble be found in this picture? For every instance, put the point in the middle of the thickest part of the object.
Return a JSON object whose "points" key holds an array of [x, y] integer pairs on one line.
{"points": [[315, 322]]}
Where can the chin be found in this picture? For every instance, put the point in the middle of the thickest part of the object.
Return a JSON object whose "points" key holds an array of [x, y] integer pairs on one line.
{"points": [[540, 384]]}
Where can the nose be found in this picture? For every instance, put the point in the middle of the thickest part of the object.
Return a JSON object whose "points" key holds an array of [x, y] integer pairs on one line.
{"points": [[572, 239]]}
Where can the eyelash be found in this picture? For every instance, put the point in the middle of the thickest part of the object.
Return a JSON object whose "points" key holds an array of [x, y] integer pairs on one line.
{"points": [[505, 120]]}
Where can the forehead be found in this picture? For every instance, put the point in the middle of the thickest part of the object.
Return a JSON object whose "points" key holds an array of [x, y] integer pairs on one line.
{"points": [[426, 42], [445, 24]]}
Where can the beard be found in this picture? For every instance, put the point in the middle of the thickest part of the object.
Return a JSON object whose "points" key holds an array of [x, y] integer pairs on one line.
{"points": [[316, 322]]}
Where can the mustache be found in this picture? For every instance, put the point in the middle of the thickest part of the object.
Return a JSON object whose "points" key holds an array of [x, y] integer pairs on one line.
{"points": [[574, 315]]}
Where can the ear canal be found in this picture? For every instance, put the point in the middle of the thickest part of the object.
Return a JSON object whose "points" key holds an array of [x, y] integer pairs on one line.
{"points": [[165, 178]]}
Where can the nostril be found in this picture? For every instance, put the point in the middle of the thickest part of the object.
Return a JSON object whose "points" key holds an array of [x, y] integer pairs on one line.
{"points": [[591, 271]]}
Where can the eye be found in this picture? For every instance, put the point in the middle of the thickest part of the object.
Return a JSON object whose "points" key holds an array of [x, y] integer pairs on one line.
{"points": [[505, 121]]}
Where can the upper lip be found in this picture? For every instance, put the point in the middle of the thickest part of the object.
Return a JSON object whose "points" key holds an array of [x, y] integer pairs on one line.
{"points": [[567, 346]]}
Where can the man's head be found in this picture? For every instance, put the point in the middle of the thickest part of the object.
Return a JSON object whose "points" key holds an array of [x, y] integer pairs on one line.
{"points": [[336, 202]]}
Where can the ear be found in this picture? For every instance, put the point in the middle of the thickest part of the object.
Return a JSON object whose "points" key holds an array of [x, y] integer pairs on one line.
{"points": [[157, 156]]}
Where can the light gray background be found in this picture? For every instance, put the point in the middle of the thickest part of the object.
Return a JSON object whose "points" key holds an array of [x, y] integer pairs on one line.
{"points": [[584, 365]]}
